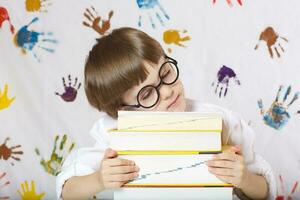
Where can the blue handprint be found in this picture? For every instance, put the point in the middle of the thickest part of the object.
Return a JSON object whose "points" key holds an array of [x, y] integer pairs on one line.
{"points": [[28, 39], [277, 116], [149, 7]]}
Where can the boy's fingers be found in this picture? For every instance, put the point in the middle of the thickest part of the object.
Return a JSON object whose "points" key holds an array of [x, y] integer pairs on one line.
{"points": [[119, 162], [123, 169], [236, 149], [225, 156], [221, 164], [110, 153], [123, 177]]}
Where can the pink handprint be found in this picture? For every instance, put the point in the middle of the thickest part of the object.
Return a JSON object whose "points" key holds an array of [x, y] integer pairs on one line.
{"points": [[229, 2], [283, 195]]}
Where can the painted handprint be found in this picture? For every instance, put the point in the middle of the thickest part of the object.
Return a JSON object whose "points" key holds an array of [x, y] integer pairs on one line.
{"points": [[5, 17], [272, 40], [3, 185], [9, 152], [37, 5], [151, 8], [229, 2], [58, 156], [30, 193], [225, 74], [27, 40], [283, 195], [173, 37], [95, 22], [70, 92], [5, 101], [277, 116]]}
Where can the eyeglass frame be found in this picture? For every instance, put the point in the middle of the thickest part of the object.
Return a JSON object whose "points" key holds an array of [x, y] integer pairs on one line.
{"points": [[170, 60]]}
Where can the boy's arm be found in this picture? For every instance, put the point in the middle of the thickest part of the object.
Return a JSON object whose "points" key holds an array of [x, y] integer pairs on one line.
{"points": [[82, 187], [255, 186], [113, 173]]}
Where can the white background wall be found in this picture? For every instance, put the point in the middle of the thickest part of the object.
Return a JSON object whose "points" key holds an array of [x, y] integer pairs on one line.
{"points": [[220, 35]]}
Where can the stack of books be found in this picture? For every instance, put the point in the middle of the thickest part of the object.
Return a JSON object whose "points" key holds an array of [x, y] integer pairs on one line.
{"points": [[171, 149]]}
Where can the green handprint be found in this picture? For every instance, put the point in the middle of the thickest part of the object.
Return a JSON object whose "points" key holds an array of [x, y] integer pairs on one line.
{"points": [[30, 194], [53, 165]]}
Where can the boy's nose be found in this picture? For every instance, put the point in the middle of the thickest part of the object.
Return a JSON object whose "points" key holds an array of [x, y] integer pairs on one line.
{"points": [[166, 92]]}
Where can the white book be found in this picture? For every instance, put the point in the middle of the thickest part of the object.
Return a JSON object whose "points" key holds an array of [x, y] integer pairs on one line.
{"points": [[173, 171], [189, 141], [201, 193], [153, 120]]}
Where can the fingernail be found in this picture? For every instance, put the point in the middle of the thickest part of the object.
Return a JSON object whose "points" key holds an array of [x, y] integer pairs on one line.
{"points": [[136, 174], [137, 168]]}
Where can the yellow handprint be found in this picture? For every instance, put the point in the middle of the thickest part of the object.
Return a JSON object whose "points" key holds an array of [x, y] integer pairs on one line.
{"points": [[37, 5], [30, 194], [173, 37], [4, 100]]}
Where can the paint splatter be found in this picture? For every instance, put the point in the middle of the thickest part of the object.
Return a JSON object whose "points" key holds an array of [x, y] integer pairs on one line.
{"points": [[58, 156], [277, 116], [27, 40], [9, 152], [173, 37], [283, 195], [37, 5], [229, 2], [95, 22], [5, 101], [225, 74], [5, 17], [70, 92], [29, 193], [2, 185], [151, 8], [272, 39]]}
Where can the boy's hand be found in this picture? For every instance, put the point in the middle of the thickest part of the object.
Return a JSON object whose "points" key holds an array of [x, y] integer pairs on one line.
{"points": [[115, 172], [229, 166]]}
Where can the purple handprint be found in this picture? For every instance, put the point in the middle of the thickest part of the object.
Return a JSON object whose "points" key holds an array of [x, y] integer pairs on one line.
{"points": [[28, 39], [223, 77], [70, 90], [151, 7]]}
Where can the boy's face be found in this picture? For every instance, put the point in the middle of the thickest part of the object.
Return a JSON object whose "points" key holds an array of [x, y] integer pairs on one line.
{"points": [[171, 97]]}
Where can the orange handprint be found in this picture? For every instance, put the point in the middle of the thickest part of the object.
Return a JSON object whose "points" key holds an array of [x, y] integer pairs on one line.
{"points": [[4, 100], [30, 194], [272, 39], [95, 19], [6, 153]]}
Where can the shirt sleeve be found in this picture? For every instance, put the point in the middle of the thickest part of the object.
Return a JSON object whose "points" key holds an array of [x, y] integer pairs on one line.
{"points": [[240, 133], [82, 161]]}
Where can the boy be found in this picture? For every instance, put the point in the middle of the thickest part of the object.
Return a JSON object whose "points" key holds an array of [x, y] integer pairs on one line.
{"points": [[128, 69]]}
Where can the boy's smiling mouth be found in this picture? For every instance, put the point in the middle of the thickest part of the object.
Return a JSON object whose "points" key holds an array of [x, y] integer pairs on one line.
{"points": [[173, 102]]}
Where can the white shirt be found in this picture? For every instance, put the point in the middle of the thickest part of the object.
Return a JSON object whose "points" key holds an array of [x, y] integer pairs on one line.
{"points": [[236, 131]]}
